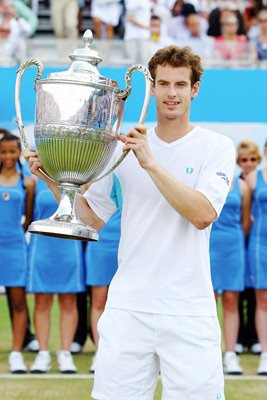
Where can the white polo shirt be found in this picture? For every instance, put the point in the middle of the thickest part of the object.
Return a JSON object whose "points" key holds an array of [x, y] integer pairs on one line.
{"points": [[163, 259]]}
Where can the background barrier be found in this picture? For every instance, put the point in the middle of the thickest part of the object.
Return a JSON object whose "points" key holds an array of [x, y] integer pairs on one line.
{"points": [[233, 102]]}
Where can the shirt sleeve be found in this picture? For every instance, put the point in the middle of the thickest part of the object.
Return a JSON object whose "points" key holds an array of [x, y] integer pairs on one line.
{"points": [[217, 174], [99, 195]]}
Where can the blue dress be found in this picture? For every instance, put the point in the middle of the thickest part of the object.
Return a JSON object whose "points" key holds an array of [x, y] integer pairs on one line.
{"points": [[13, 248], [101, 258], [227, 245], [55, 264], [257, 248]]}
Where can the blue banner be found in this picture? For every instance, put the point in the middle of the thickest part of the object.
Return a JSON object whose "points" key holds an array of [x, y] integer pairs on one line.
{"points": [[225, 95]]}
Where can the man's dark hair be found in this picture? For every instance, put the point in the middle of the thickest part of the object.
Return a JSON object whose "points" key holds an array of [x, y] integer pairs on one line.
{"points": [[177, 57]]}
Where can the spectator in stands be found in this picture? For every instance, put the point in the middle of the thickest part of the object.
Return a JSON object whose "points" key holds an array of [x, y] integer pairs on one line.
{"points": [[250, 17], [159, 37], [13, 32], [260, 41], [216, 15], [182, 8], [176, 27], [64, 15], [106, 15], [23, 11], [230, 45], [137, 30], [162, 10], [194, 37]]}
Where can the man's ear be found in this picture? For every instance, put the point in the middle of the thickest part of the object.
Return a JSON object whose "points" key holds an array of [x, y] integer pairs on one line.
{"points": [[152, 92], [195, 90]]}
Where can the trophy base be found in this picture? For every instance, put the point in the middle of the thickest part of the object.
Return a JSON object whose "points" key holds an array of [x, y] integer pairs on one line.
{"points": [[65, 230]]}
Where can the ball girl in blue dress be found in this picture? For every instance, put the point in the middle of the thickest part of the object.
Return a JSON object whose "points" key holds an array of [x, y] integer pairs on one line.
{"points": [[16, 203], [227, 257], [257, 256], [248, 159], [30, 342], [55, 267]]}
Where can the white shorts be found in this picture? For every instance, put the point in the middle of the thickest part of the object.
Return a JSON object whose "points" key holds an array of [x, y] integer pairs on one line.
{"points": [[135, 346]]}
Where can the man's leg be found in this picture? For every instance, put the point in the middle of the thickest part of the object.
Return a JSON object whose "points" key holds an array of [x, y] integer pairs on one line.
{"points": [[189, 350], [126, 365]]}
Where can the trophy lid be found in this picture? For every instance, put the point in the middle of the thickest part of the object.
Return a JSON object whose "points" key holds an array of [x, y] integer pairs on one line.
{"points": [[83, 69]]}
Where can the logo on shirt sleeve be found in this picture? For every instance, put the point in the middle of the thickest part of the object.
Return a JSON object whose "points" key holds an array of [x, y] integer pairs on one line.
{"points": [[224, 177]]}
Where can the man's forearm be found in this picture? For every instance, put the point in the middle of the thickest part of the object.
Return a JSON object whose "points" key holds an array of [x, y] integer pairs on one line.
{"points": [[54, 189], [188, 202], [86, 214]]}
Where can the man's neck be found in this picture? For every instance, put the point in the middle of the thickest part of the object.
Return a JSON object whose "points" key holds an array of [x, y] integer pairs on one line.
{"points": [[173, 130]]}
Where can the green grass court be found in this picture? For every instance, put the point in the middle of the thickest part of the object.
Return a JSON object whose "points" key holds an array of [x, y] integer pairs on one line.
{"points": [[78, 387]]}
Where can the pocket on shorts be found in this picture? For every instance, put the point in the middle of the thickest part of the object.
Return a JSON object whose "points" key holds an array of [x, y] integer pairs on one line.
{"points": [[217, 329], [100, 323]]}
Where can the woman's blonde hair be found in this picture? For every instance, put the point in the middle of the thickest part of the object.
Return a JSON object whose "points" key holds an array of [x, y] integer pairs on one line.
{"points": [[250, 147]]}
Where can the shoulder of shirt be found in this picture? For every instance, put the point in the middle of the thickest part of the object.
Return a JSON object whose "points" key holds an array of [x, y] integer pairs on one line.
{"points": [[214, 136]]}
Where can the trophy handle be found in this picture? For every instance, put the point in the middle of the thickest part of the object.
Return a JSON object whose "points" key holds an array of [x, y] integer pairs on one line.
{"points": [[124, 94], [20, 72]]}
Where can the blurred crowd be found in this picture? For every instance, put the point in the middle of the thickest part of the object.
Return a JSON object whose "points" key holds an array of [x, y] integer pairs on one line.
{"points": [[222, 32]]}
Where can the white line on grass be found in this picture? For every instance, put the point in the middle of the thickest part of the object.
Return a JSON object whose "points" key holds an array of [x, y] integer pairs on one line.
{"points": [[46, 376], [91, 376]]}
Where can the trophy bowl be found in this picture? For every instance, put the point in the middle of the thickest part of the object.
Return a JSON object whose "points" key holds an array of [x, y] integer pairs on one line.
{"points": [[78, 117]]}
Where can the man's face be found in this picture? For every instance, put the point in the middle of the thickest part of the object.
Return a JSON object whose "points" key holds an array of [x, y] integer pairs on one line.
{"points": [[173, 92]]}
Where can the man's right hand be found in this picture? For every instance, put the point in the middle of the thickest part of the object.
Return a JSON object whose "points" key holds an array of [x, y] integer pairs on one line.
{"points": [[36, 168], [35, 165]]}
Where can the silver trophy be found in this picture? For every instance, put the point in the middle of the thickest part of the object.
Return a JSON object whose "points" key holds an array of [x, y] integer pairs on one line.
{"points": [[78, 117]]}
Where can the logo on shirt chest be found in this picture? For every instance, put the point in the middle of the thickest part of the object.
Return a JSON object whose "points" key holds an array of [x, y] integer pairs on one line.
{"points": [[189, 170]]}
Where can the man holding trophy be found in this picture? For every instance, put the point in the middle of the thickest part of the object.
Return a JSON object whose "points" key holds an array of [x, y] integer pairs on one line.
{"points": [[161, 313]]}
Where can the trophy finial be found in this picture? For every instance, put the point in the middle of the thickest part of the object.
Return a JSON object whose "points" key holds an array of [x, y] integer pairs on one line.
{"points": [[86, 53], [88, 37]]}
